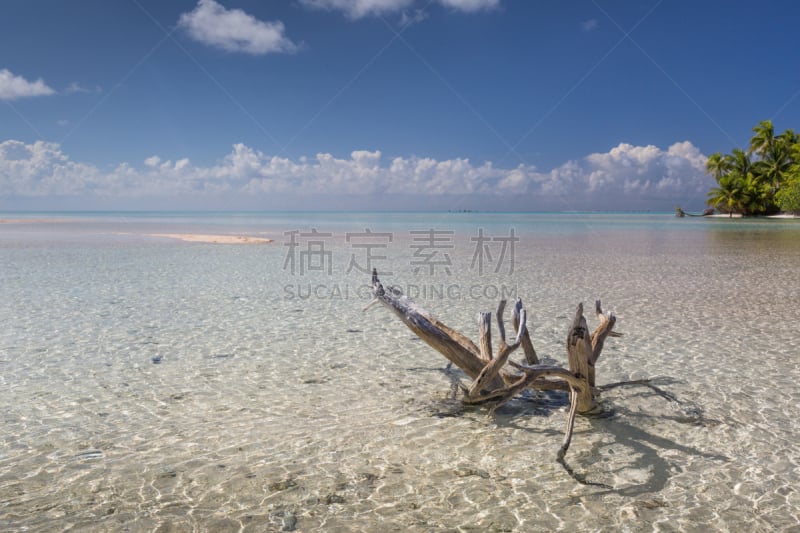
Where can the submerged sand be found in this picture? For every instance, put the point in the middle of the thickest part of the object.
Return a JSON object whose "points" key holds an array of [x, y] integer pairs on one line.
{"points": [[148, 387]]}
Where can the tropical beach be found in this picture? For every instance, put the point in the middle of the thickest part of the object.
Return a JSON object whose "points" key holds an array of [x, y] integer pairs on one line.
{"points": [[399, 265], [165, 384], [764, 180]]}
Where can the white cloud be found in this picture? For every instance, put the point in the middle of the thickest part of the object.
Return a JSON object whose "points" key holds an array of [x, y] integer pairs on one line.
{"points": [[359, 8], [356, 9], [41, 169], [413, 17], [589, 25], [76, 87], [628, 170], [13, 87], [470, 6], [234, 30], [624, 174]]}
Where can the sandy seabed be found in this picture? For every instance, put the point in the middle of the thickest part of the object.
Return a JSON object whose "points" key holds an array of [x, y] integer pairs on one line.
{"points": [[153, 386]]}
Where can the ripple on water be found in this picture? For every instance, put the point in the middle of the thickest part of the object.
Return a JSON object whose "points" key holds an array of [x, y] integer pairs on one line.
{"points": [[267, 412]]}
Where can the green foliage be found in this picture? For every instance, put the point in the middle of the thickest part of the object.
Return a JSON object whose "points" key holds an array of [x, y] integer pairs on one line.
{"points": [[788, 196], [760, 181]]}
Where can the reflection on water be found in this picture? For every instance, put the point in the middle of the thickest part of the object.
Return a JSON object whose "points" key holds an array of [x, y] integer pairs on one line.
{"points": [[173, 386]]}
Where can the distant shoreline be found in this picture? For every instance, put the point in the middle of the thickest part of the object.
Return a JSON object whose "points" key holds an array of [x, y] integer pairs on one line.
{"points": [[782, 216]]}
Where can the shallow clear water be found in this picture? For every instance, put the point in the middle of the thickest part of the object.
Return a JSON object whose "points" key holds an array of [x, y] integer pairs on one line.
{"points": [[150, 384]]}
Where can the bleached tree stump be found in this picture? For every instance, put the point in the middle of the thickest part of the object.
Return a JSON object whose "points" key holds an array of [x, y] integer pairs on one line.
{"points": [[496, 379]]}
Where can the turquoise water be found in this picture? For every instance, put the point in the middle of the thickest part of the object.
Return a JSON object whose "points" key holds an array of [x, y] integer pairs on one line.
{"points": [[153, 384]]}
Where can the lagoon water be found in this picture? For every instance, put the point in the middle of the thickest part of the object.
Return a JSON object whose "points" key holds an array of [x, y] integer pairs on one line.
{"points": [[150, 384]]}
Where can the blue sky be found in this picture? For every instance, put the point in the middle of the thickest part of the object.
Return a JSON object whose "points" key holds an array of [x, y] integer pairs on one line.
{"points": [[401, 104]]}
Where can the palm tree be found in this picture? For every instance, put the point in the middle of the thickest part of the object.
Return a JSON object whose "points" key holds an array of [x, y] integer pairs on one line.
{"points": [[763, 139], [789, 137], [775, 164], [717, 165], [775, 167], [728, 197], [794, 147], [739, 161], [731, 172], [756, 195], [789, 196], [756, 181]]}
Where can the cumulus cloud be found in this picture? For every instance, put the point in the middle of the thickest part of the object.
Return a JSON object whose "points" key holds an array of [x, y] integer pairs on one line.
{"points": [[13, 87], [356, 9], [470, 6], [609, 179], [41, 169], [628, 175], [234, 30]]}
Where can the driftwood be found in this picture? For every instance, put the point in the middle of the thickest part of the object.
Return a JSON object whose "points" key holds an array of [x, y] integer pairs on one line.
{"points": [[496, 378], [680, 213]]}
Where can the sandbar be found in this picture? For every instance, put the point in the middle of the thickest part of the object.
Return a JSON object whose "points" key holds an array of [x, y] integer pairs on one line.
{"points": [[212, 239], [32, 220]]}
